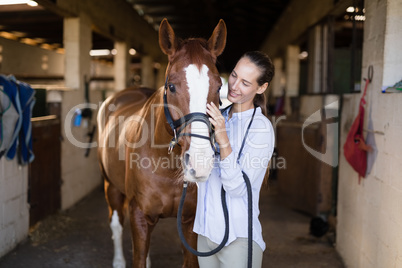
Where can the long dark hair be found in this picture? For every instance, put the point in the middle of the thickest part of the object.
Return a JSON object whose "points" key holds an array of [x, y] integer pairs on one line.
{"points": [[264, 63]]}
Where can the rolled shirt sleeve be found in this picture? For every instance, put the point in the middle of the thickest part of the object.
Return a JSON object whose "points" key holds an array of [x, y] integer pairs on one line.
{"points": [[254, 159], [227, 173]]}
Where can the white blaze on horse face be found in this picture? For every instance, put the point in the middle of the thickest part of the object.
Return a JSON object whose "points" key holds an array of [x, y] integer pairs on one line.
{"points": [[200, 152]]}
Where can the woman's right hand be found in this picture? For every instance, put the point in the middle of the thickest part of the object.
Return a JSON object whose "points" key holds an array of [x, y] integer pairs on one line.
{"points": [[221, 136]]}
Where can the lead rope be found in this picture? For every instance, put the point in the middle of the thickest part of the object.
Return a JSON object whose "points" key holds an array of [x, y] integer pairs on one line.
{"points": [[250, 200], [183, 239], [225, 214]]}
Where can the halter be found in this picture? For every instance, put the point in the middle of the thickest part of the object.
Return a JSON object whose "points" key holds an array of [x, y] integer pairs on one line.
{"points": [[178, 125]]}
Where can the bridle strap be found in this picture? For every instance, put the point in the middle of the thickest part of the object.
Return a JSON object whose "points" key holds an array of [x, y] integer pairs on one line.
{"points": [[167, 113], [193, 135], [179, 125], [189, 118]]}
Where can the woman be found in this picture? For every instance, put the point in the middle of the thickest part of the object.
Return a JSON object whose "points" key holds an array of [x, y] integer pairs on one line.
{"points": [[247, 84]]}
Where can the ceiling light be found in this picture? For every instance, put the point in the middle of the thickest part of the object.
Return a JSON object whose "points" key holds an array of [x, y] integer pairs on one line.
{"points": [[19, 34], [39, 40], [99, 52], [360, 17], [8, 35], [18, 2], [149, 19], [29, 41], [60, 50], [32, 4], [47, 46], [132, 51], [139, 9], [350, 9], [13, 2], [303, 55]]}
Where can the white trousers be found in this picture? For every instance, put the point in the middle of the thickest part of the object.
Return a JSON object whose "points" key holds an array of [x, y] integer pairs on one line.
{"points": [[234, 255]]}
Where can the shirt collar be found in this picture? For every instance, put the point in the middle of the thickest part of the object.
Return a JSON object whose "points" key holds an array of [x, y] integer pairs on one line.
{"points": [[242, 115]]}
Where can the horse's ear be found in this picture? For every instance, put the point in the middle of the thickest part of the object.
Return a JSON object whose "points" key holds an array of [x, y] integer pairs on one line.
{"points": [[217, 41], [167, 39]]}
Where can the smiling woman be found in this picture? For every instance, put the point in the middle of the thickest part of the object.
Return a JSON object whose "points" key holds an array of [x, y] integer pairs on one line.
{"points": [[244, 135]]}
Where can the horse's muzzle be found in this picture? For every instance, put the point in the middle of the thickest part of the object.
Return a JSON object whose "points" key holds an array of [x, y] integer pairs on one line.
{"points": [[197, 166]]}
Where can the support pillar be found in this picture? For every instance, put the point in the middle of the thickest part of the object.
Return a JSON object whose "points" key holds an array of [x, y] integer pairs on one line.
{"points": [[77, 44], [292, 72], [147, 72], [315, 61], [279, 79], [292, 76], [121, 65], [160, 79], [80, 173]]}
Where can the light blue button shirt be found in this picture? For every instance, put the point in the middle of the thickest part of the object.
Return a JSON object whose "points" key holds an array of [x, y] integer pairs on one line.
{"points": [[254, 159]]}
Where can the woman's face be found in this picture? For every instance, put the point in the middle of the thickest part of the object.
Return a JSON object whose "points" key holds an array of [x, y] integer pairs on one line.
{"points": [[243, 84]]}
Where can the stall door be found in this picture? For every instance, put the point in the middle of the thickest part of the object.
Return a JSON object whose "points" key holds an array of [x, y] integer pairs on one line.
{"points": [[44, 171], [306, 182]]}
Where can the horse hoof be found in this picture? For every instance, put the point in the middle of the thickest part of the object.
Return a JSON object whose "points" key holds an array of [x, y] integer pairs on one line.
{"points": [[119, 263]]}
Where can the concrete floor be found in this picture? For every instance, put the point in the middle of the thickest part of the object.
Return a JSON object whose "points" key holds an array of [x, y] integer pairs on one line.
{"points": [[80, 237]]}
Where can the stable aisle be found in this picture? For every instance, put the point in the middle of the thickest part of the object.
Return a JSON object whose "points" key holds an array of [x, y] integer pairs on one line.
{"points": [[81, 237]]}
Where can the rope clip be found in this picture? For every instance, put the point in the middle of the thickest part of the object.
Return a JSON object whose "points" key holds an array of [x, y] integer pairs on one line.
{"points": [[171, 146]]}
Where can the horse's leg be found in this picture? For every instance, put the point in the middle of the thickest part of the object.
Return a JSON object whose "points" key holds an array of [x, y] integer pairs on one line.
{"points": [[141, 229], [189, 259], [115, 200]]}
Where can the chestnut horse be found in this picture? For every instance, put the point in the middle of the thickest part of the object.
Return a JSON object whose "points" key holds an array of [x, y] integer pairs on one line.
{"points": [[135, 131]]}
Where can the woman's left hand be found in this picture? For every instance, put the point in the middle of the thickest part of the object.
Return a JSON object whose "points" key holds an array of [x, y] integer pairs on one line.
{"points": [[218, 121]]}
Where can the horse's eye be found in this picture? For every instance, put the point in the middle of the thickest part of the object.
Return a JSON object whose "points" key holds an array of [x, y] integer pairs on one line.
{"points": [[172, 88], [219, 89]]}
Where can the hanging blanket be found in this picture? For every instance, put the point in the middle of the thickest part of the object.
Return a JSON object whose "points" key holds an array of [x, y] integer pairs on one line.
{"points": [[21, 96], [8, 117]]}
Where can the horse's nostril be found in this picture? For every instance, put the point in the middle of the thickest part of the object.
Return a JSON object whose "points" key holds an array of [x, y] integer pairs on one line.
{"points": [[186, 158], [192, 172]]}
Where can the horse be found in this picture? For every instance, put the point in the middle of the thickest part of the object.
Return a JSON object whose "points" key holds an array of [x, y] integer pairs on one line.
{"points": [[138, 132]]}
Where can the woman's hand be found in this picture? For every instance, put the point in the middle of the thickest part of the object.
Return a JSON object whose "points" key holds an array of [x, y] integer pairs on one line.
{"points": [[221, 136]]}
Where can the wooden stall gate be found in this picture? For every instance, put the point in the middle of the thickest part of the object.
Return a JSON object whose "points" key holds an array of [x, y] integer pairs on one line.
{"points": [[44, 172]]}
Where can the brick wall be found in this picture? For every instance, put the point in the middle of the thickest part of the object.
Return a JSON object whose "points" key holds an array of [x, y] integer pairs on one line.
{"points": [[22, 59], [370, 214], [80, 175], [14, 208], [369, 219]]}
